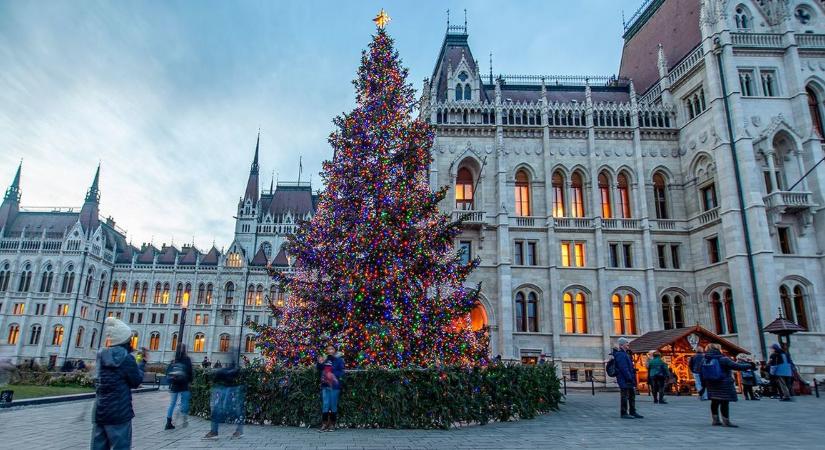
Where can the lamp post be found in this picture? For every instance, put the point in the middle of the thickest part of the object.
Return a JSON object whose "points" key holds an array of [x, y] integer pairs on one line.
{"points": [[183, 306]]}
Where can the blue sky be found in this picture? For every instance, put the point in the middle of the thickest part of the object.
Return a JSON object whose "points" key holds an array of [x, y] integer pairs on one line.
{"points": [[168, 95]]}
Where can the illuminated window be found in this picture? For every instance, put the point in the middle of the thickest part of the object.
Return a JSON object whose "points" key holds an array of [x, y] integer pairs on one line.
{"points": [[123, 292], [14, 334], [136, 292], [63, 309], [572, 254], [464, 190], [115, 292], [200, 342], [250, 295], [575, 312], [813, 110], [660, 196], [57, 335], [478, 317], [154, 341], [165, 295], [233, 260], [135, 340], [259, 296], [19, 309], [522, 193], [157, 293], [579, 246], [178, 293], [558, 194], [604, 192], [624, 313], [577, 195], [198, 320], [174, 342], [623, 196], [224, 343], [249, 343]]}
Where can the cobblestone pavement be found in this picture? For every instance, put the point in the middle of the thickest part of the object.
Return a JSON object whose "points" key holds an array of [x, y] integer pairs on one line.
{"points": [[584, 421]]}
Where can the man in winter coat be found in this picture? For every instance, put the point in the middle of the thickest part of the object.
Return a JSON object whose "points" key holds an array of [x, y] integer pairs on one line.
{"points": [[696, 369], [781, 371], [626, 377], [117, 375]]}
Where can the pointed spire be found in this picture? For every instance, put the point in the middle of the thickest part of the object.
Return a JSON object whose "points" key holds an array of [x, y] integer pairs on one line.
{"points": [[254, 168], [93, 194], [252, 192], [13, 192], [272, 183]]}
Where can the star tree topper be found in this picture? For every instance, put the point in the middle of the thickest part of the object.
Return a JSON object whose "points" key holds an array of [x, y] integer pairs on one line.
{"points": [[382, 19]]}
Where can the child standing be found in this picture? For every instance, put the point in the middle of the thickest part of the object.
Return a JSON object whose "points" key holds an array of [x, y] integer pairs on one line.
{"points": [[331, 371]]}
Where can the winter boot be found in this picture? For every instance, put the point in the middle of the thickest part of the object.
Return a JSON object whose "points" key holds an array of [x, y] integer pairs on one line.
{"points": [[332, 418], [169, 425], [716, 421], [726, 422], [324, 421]]}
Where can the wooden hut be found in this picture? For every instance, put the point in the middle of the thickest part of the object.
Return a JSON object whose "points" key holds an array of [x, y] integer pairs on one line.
{"points": [[677, 346]]}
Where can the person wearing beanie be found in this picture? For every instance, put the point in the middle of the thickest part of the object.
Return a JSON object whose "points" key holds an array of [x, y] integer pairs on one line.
{"points": [[117, 374], [626, 377]]}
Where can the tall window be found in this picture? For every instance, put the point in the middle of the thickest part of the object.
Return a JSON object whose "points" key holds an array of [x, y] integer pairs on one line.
{"points": [[575, 312], [57, 335], [464, 189], [34, 336], [714, 255], [604, 193], [230, 292], [465, 250], [68, 281], [154, 341], [522, 193], [200, 342], [459, 92], [793, 308], [746, 83], [115, 292], [783, 234], [78, 342], [209, 289], [742, 17], [87, 291], [577, 194], [5, 276], [144, 289], [250, 295], [92, 340], [623, 196], [165, 296], [624, 313], [768, 78], [25, 278], [224, 343], [558, 194], [527, 312], [157, 293], [14, 334], [660, 196], [136, 292], [173, 344], [724, 318], [673, 315], [45, 279], [708, 197], [816, 115], [101, 289], [249, 343], [178, 293], [135, 341]]}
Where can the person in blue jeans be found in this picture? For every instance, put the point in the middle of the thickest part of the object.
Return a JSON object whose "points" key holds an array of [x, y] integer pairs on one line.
{"points": [[331, 371], [227, 399], [180, 375]]}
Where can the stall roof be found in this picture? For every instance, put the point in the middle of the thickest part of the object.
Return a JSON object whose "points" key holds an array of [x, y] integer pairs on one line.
{"points": [[783, 326], [655, 340]]}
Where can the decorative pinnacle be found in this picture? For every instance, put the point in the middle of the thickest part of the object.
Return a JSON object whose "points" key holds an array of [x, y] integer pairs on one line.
{"points": [[382, 19]]}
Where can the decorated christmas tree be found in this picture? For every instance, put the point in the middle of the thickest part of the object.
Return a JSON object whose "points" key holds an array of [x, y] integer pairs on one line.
{"points": [[375, 270]]}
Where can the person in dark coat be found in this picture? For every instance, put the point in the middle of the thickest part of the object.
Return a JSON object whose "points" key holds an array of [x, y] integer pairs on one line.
{"points": [[331, 372], [180, 375], [227, 399], [721, 391], [695, 370], [117, 374], [781, 370], [749, 377], [626, 377], [657, 373]]}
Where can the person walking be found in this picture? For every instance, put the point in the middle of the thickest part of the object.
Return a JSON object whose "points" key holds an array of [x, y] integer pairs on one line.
{"points": [[717, 379], [749, 377], [180, 375], [227, 402], [205, 363], [626, 377], [117, 374], [781, 371], [695, 364], [658, 373], [331, 371]]}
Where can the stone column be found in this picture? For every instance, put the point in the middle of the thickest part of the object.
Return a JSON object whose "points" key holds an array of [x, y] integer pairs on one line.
{"points": [[505, 295]]}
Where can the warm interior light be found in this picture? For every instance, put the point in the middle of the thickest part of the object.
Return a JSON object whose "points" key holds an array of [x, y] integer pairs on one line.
{"points": [[185, 303]]}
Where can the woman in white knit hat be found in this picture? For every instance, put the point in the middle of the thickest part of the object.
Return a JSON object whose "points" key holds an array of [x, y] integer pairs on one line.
{"points": [[117, 374]]}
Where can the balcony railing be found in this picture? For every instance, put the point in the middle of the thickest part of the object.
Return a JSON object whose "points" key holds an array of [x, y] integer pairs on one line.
{"points": [[471, 217], [621, 224], [811, 41], [526, 222], [573, 223], [688, 62], [708, 216], [789, 201], [757, 40]]}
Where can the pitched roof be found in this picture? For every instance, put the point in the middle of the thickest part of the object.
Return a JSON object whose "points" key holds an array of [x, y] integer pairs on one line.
{"points": [[280, 259], [168, 254], [190, 257], [124, 256], [296, 199], [259, 259], [782, 327], [211, 258], [56, 222], [454, 48], [147, 256], [655, 340]]}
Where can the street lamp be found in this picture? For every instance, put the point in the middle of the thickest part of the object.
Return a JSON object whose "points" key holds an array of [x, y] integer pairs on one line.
{"points": [[183, 306]]}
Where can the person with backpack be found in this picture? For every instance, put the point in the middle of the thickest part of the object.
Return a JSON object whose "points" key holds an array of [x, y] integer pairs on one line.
{"points": [[749, 377], [117, 374], [227, 399], [621, 367], [717, 379], [657, 373], [781, 371], [695, 364], [331, 371], [180, 375]]}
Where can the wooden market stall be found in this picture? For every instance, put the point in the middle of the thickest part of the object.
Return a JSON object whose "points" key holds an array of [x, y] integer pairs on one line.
{"points": [[677, 346]]}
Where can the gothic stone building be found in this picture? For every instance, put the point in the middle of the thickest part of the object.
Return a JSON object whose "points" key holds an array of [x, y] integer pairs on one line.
{"points": [[63, 271], [605, 207]]}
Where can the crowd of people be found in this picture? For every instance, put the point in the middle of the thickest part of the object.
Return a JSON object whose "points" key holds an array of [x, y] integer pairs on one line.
{"points": [[713, 378]]}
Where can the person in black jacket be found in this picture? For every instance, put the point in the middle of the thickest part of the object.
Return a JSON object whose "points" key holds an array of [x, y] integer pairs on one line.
{"points": [[227, 399], [721, 391], [180, 375], [117, 375]]}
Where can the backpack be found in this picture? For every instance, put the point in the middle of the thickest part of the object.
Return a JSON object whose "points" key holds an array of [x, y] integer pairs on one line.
{"points": [[176, 372], [610, 368], [711, 369]]}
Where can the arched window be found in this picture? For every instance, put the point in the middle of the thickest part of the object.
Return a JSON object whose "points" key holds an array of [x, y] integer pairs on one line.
{"points": [[25, 278], [115, 292], [814, 109], [464, 189], [623, 196], [272, 292], [5, 276], [68, 280], [577, 195], [209, 290], [78, 342], [14, 334], [230, 292], [136, 292], [527, 312], [144, 289], [558, 193], [87, 291], [793, 307], [101, 290], [165, 296], [604, 193], [233, 259], [468, 92], [259, 295], [135, 340], [34, 336], [459, 92], [201, 293], [575, 312], [157, 293], [743, 18], [57, 335], [92, 340], [224, 343], [123, 289], [721, 304], [250, 295], [173, 343], [624, 313], [178, 293], [522, 193], [660, 196], [478, 317], [45, 279], [200, 342], [154, 341], [249, 343], [673, 315]]}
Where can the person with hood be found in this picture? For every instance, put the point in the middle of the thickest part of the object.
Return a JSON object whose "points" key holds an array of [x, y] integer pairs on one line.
{"points": [[695, 364], [626, 377], [180, 375], [227, 399], [717, 379], [117, 374], [657, 373], [781, 371], [331, 371]]}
